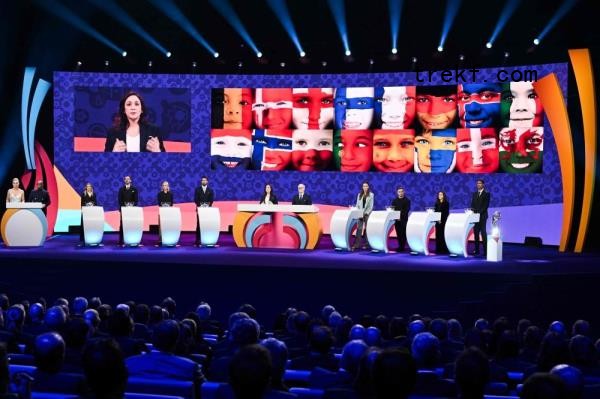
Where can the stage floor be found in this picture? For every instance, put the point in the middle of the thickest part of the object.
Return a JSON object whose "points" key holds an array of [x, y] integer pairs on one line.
{"points": [[518, 259]]}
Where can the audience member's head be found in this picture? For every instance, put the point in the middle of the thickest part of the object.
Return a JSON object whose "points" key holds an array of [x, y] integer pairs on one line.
{"points": [[383, 323], [55, 318], [472, 373], [95, 302], [543, 386], [397, 327], [327, 311], [301, 322], [141, 313], [559, 328], [165, 335], [415, 327], [522, 326], [532, 338], [363, 384], [554, 350], [357, 332], [76, 332], [61, 302], [482, 324], [156, 315], [120, 324], [169, 304], [394, 374], [105, 311], [351, 355], [80, 305], [36, 313], [15, 318], [92, 318], [245, 332], [572, 378], [203, 311], [425, 349], [342, 331], [4, 301], [279, 356], [104, 368], [373, 336], [249, 310], [507, 345], [234, 317], [439, 328], [581, 327], [455, 330], [582, 350], [250, 372], [335, 318], [123, 308], [49, 352], [366, 320]]}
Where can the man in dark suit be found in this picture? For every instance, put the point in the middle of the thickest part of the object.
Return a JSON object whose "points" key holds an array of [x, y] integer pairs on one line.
{"points": [[301, 198], [401, 203], [128, 196], [479, 204], [203, 195], [38, 194]]}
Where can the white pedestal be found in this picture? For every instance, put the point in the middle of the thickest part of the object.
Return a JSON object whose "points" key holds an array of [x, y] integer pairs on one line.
{"points": [[24, 225], [170, 225], [378, 229], [93, 224], [457, 231], [209, 222], [494, 248], [418, 227], [340, 228], [133, 224]]}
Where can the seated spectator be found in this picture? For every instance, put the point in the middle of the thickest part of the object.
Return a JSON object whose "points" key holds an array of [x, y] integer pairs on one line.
{"points": [[321, 344], [248, 309], [94, 303], [507, 353], [141, 316], [397, 333], [455, 334], [75, 336], [383, 324], [342, 332], [80, 305], [92, 319], [120, 326], [522, 327], [170, 305], [198, 344], [394, 374], [581, 327], [206, 324], [55, 319], [572, 378], [472, 373], [326, 312], [543, 386], [425, 349], [357, 332], [363, 384], [244, 332], [554, 350], [415, 327], [49, 355], [104, 311], [584, 356], [105, 371], [279, 357], [334, 320], [482, 324], [373, 336], [250, 372], [559, 328], [531, 345], [36, 325], [350, 361]]}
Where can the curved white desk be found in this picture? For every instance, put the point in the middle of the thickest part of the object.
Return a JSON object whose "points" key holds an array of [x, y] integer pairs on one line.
{"points": [[457, 231], [341, 225], [378, 229], [24, 224], [209, 222], [93, 224], [170, 225], [133, 224], [418, 227]]}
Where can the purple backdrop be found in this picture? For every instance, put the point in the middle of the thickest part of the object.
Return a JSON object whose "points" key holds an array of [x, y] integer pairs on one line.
{"points": [[183, 170]]}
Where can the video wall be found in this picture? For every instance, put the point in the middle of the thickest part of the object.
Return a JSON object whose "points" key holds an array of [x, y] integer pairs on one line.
{"points": [[329, 131]]}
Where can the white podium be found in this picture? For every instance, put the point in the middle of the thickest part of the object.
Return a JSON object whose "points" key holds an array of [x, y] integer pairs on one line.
{"points": [[93, 224], [341, 225], [24, 224], [418, 228], [494, 247], [132, 218], [170, 225], [458, 226], [209, 222], [378, 229]]}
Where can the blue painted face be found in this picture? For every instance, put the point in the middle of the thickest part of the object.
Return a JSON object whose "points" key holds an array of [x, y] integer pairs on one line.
{"points": [[354, 107], [479, 104]]}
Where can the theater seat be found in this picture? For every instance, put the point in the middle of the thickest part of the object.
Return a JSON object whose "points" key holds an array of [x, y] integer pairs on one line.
{"points": [[149, 396], [19, 358], [308, 393], [48, 395], [183, 389], [17, 368], [209, 390], [292, 376]]}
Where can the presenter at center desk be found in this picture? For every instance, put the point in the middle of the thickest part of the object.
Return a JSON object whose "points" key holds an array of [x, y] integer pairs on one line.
{"points": [[268, 197], [38, 194], [164, 198], [88, 198], [128, 196], [302, 198], [364, 202]]}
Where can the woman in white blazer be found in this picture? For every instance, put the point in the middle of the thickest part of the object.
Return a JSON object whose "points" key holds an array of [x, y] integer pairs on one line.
{"points": [[364, 201]]}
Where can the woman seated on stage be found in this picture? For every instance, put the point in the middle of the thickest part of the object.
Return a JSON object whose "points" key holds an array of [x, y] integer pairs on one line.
{"points": [[268, 197], [15, 194]]}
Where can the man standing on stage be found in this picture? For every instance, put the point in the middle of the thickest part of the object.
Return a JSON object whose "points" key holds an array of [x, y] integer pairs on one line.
{"points": [[203, 196], [479, 204], [38, 194], [301, 198], [128, 196], [401, 203]]}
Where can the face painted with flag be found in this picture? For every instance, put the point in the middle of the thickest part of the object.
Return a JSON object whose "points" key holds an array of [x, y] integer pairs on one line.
{"points": [[521, 149], [271, 149], [395, 106], [521, 106], [231, 108], [436, 106], [354, 107], [313, 108], [312, 149], [477, 150], [230, 148], [435, 151], [272, 108], [353, 150], [479, 104], [393, 150]]}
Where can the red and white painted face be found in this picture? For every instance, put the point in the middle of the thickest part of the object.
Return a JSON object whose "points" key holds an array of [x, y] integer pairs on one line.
{"points": [[237, 108], [477, 150], [230, 148], [312, 149], [272, 108], [526, 108], [313, 108], [397, 107]]}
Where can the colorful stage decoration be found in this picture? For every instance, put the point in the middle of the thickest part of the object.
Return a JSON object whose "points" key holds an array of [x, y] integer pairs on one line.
{"points": [[24, 225], [343, 223]]}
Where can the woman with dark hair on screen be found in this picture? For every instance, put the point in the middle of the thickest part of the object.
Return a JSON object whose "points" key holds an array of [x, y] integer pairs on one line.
{"points": [[133, 133], [88, 198], [364, 202], [443, 206], [268, 197]]}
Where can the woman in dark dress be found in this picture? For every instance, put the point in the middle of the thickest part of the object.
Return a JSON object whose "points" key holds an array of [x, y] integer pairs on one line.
{"points": [[443, 206], [88, 198], [268, 197]]}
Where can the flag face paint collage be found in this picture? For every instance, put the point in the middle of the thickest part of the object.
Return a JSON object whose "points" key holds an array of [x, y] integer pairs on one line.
{"points": [[466, 128]]}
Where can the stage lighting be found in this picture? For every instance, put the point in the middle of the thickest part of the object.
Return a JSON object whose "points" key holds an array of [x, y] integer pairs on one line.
{"points": [[124, 53], [240, 64], [216, 55], [324, 63], [414, 60], [259, 54], [488, 45], [394, 50], [536, 41], [106, 63], [302, 54], [149, 64], [168, 54], [371, 61], [506, 54], [461, 57], [282, 64], [440, 48], [194, 64], [79, 63], [348, 53]]}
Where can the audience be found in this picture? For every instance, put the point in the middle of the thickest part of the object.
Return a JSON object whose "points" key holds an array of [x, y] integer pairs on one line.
{"points": [[104, 368]]}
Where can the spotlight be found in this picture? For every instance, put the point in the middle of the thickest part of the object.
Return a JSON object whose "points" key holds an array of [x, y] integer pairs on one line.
{"points": [[149, 64], [324, 63], [124, 53], [302, 54], [371, 61], [394, 50], [259, 54], [461, 57], [414, 60], [282, 64], [348, 53], [168, 54], [79, 63], [536, 41], [106, 63], [440, 48], [506, 54], [488, 45], [216, 55], [194, 64], [240, 64]]}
